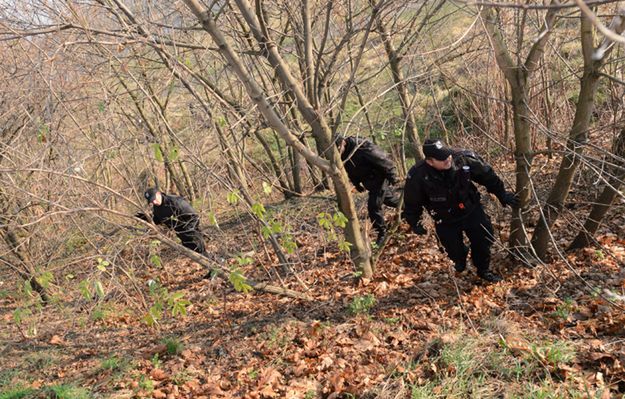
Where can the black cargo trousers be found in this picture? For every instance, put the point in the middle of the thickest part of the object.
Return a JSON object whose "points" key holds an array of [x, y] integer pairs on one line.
{"points": [[478, 229], [190, 235], [380, 194]]}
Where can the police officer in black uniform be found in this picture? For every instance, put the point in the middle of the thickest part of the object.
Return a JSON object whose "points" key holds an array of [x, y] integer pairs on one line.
{"points": [[369, 168], [443, 184], [176, 213]]}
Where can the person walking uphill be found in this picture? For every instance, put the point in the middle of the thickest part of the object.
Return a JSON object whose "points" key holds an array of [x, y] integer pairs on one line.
{"points": [[369, 168], [443, 184], [176, 213]]}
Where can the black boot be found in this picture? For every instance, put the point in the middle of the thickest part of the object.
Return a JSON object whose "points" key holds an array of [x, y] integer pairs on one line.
{"points": [[381, 236], [460, 266], [489, 276]]}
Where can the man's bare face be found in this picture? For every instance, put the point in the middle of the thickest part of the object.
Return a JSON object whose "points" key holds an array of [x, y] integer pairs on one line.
{"points": [[158, 199], [439, 165], [341, 147]]}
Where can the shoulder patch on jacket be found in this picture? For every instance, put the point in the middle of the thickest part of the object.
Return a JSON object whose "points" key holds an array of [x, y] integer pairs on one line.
{"points": [[468, 154]]}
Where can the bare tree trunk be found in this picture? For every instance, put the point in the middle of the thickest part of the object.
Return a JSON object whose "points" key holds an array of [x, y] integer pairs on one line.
{"points": [[360, 253], [309, 69], [296, 171], [523, 155], [578, 136], [164, 149], [416, 150], [604, 202], [548, 104], [274, 163], [312, 169], [17, 246], [517, 75]]}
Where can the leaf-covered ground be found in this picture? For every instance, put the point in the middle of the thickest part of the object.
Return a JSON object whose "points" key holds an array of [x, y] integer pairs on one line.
{"points": [[417, 329]]}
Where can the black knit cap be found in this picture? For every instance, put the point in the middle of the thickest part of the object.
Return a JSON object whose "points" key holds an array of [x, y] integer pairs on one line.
{"points": [[435, 148], [150, 194]]}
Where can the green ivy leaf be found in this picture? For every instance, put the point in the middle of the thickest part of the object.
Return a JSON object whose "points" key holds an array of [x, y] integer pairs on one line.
{"points": [[345, 246], [340, 220], [155, 260], [179, 307], [176, 296], [149, 319], [158, 154], [289, 245], [212, 219], [267, 188], [233, 197], [28, 288], [153, 287], [276, 227], [102, 264], [258, 209], [20, 313], [156, 312], [239, 282], [99, 289], [324, 221], [244, 260], [83, 287], [45, 279], [173, 154]]}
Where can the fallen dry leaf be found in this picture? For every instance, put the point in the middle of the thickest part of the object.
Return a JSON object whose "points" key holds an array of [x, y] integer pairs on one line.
{"points": [[56, 340], [517, 345], [158, 374], [326, 362], [212, 389]]}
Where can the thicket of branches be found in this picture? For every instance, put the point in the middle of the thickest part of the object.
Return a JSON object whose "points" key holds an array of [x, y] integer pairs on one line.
{"points": [[237, 104]]}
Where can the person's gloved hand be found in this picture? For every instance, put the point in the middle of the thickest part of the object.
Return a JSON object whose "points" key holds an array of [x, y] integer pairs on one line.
{"points": [[419, 230], [141, 216], [509, 198]]}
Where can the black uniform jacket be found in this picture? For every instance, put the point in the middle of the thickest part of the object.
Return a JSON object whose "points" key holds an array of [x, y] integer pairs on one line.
{"points": [[367, 164], [175, 212], [448, 195]]}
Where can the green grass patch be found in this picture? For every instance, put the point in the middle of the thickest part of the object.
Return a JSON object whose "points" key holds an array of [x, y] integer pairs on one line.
{"points": [[460, 365], [63, 391], [99, 313], [42, 359], [4, 294], [7, 376], [361, 304], [114, 364], [68, 392], [16, 393], [146, 384], [173, 346], [181, 378], [276, 337]]}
